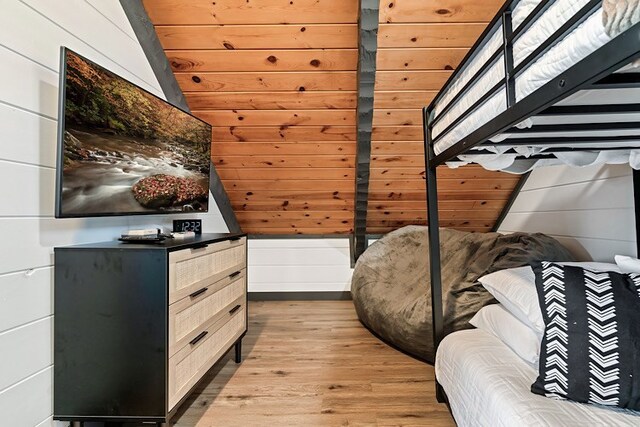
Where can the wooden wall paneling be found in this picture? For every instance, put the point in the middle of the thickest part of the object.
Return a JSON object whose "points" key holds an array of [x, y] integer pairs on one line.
{"points": [[282, 148], [267, 60], [418, 205], [450, 223], [295, 216], [285, 133], [202, 12], [397, 147], [289, 184], [446, 184], [450, 35], [277, 117], [299, 195], [288, 173], [468, 172], [294, 100], [420, 58], [409, 195], [235, 37], [286, 231], [404, 117], [487, 214], [267, 82], [395, 99], [288, 161], [411, 80], [421, 11], [397, 133], [294, 205]]}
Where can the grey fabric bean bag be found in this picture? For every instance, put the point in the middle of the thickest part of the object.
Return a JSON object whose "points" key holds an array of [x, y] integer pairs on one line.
{"points": [[390, 284]]}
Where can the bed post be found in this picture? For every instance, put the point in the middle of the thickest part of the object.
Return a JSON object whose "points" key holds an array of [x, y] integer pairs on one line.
{"points": [[434, 243], [636, 205]]}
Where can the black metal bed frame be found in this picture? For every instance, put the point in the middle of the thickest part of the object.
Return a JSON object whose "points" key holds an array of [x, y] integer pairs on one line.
{"points": [[593, 72]]}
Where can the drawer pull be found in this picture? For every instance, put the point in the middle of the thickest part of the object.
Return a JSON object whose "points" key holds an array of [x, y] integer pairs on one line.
{"points": [[232, 275], [234, 309], [200, 292], [198, 338], [200, 246]]}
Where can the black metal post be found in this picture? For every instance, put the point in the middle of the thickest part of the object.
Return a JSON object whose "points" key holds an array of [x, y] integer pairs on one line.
{"points": [[507, 35], [434, 235], [636, 202], [238, 351]]}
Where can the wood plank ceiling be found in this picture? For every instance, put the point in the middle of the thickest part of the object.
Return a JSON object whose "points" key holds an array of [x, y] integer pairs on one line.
{"points": [[420, 43], [277, 80]]}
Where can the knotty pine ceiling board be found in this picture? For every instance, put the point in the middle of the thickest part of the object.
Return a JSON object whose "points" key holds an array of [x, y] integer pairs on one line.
{"points": [[420, 43], [277, 81]]}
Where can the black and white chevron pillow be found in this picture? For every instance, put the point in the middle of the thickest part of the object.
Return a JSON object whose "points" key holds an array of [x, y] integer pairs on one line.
{"points": [[591, 344]]}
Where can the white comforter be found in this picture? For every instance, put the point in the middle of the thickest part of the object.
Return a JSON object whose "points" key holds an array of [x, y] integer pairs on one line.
{"points": [[489, 385]]}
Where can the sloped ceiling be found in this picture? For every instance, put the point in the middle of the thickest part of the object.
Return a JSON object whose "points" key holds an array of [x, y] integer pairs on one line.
{"points": [[277, 80]]}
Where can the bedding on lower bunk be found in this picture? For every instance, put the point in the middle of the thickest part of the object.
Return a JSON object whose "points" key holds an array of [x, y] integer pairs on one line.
{"points": [[489, 385], [567, 332], [599, 28]]}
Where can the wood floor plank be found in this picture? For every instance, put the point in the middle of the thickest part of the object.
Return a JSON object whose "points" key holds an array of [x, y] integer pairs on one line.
{"points": [[303, 366]]}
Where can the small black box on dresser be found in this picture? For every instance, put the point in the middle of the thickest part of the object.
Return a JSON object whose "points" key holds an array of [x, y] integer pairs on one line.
{"points": [[137, 326]]}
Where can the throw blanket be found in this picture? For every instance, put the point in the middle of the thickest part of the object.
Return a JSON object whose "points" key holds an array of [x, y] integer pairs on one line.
{"points": [[390, 284], [619, 15]]}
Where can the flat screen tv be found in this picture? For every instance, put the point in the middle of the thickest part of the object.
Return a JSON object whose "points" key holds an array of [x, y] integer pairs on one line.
{"points": [[123, 150]]}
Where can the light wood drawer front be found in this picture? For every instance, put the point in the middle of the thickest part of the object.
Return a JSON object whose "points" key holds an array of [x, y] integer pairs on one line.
{"points": [[189, 365], [192, 269], [188, 316]]}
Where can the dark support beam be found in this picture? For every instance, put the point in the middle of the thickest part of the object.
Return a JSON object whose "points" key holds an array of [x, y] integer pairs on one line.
{"points": [[636, 200], [146, 34], [512, 198], [367, 49]]}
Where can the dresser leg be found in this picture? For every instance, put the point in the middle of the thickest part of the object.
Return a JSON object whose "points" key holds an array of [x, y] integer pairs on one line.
{"points": [[238, 348]]}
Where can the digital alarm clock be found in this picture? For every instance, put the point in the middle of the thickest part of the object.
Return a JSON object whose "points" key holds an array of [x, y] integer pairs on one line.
{"points": [[194, 225]]}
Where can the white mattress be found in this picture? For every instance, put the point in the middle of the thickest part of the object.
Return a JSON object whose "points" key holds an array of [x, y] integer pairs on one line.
{"points": [[488, 385], [585, 39]]}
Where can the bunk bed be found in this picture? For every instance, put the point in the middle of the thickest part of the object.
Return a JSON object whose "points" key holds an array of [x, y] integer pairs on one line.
{"points": [[548, 82]]}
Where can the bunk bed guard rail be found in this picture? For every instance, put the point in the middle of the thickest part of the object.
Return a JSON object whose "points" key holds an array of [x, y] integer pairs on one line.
{"points": [[594, 71]]}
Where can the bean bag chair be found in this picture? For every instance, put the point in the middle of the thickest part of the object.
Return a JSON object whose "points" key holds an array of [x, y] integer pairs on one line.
{"points": [[391, 290]]}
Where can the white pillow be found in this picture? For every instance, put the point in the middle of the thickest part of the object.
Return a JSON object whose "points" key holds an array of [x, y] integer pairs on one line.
{"points": [[628, 264], [497, 321], [515, 289]]}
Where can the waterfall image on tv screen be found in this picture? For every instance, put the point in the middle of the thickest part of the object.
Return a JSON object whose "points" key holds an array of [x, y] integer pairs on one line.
{"points": [[126, 151]]}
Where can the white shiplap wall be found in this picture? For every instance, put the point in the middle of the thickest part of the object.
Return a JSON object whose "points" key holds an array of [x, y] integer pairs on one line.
{"points": [[590, 210], [31, 33], [299, 265]]}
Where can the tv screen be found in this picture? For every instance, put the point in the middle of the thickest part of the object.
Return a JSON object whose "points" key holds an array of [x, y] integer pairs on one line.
{"points": [[124, 151]]}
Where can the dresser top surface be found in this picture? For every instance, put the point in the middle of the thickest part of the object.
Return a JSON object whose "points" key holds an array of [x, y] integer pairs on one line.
{"points": [[166, 245]]}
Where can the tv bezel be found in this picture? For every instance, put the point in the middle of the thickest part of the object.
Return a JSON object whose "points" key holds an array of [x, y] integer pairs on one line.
{"points": [[62, 98]]}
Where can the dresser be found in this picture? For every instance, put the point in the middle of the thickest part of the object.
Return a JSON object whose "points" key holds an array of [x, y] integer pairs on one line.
{"points": [[137, 326]]}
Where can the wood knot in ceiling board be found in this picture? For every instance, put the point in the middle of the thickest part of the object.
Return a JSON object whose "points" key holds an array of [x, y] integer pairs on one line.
{"points": [[196, 79], [301, 89], [303, 29], [272, 59], [444, 12], [315, 63], [414, 39], [448, 67], [228, 45]]}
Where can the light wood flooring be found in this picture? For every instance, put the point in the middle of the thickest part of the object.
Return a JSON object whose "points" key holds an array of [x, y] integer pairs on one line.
{"points": [[313, 364]]}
